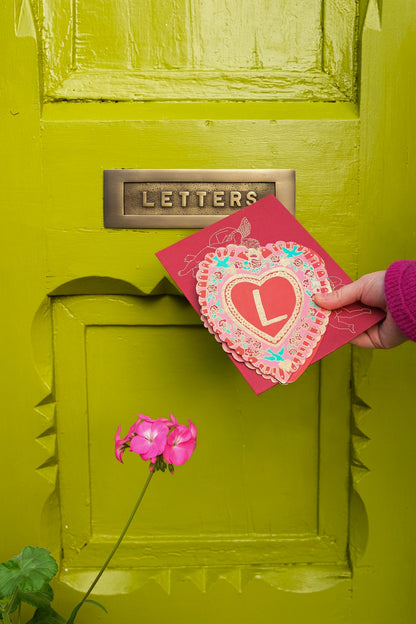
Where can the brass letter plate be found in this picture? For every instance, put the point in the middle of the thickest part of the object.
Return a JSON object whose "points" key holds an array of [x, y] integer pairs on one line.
{"points": [[188, 198]]}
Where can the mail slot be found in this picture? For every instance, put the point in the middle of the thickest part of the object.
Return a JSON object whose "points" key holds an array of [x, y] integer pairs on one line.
{"points": [[188, 198]]}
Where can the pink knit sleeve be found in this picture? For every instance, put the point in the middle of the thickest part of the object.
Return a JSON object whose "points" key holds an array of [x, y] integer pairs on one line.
{"points": [[400, 290]]}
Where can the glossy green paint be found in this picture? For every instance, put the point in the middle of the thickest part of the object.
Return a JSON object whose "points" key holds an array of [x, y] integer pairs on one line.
{"points": [[200, 50], [236, 523]]}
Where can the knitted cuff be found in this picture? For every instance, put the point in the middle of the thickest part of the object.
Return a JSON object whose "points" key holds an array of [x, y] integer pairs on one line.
{"points": [[400, 290]]}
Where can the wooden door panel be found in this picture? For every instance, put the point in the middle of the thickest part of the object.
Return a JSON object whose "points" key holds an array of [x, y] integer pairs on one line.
{"points": [[271, 500], [199, 49], [268, 484], [85, 87]]}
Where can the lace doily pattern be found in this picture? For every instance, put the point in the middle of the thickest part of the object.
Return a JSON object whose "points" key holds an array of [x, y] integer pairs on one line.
{"points": [[258, 304]]}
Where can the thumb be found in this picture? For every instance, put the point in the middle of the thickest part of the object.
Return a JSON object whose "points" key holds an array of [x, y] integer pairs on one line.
{"points": [[341, 297]]}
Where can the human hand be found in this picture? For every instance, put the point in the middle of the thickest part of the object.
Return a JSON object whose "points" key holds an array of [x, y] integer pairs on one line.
{"points": [[368, 289]]}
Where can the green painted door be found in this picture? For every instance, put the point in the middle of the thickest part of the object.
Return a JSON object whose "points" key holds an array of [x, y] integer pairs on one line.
{"points": [[272, 517]]}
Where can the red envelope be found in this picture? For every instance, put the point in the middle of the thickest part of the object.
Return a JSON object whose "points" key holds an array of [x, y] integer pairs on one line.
{"points": [[263, 222]]}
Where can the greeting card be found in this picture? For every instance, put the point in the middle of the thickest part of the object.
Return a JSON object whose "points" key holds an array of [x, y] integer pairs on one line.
{"points": [[251, 277]]}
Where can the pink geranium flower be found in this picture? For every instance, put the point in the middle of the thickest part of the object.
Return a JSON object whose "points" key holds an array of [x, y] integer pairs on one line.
{"points": [[150, 439], [163, 441], [180, 444], [123, 443]]}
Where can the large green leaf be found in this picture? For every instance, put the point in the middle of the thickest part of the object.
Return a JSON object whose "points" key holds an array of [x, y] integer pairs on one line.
{"points": [[41, 598], [28, 572], [46, 615]]}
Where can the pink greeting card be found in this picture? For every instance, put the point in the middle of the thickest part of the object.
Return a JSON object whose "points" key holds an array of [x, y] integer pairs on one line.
{"points": [[251, 277]]}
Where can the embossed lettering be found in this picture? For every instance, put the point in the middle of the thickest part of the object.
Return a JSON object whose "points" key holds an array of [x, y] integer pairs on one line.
{"points": [[218, 199], [166, 199], [235, 199], [147, 204], [201, 198], [251, 197], [184, 198]]}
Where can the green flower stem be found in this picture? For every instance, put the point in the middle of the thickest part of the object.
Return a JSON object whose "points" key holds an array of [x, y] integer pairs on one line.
{"points": [[110, 556], [6, 613]]}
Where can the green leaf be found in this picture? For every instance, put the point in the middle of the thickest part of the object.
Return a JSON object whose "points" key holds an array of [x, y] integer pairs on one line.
{"points": [[6, 618], [98, 604], [41, 598], [78, 607], [46, 615], [28, 572]]}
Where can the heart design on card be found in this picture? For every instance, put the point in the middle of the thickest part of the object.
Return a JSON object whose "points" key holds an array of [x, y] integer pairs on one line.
{"points": [[259, 305], [268, 306]]}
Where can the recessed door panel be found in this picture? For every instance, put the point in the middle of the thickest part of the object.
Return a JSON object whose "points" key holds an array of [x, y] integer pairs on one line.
{"points": [[256, 490]]}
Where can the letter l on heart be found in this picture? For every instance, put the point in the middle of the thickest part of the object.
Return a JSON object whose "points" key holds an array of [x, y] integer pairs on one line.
{"points": [[261, 312]]}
